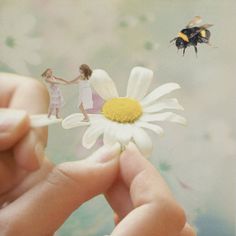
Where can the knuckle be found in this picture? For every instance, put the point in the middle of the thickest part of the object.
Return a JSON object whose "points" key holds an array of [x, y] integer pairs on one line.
{"points": [[172, 212], [59, 177]]}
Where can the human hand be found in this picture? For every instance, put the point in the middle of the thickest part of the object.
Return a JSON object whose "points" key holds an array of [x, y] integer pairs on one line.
{"points": [[21, 148], [140, 197], [142, 201], [36, 197], [46, 197], [44, 208]]}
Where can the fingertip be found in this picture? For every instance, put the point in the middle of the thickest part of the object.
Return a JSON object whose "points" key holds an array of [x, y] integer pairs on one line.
{"points": [[130, 151], [116, 219], [132, 147]]}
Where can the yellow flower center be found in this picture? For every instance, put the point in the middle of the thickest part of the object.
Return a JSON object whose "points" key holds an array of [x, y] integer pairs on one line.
{"points": [[122, 110]]}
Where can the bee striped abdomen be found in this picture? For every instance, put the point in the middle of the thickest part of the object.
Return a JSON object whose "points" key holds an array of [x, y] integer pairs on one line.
{"points": [[203, 33], [183, 36]]}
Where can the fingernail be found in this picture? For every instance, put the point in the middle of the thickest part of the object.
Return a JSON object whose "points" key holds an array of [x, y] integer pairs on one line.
{"points": [[131, 145], [9, 119], [39, 152], [105, 153]]}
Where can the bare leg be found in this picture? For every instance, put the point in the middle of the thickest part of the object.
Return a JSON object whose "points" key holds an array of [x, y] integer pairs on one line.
{"points": [[50, 112], [81, 107], [57, 113]]}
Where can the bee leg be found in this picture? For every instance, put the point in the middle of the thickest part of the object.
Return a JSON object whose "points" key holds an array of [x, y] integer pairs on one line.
{"points": [[184, 51], [171, 41], [195, 48]]}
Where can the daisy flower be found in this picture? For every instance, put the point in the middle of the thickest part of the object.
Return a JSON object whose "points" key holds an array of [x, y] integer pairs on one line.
{"points": [[125, 119]]}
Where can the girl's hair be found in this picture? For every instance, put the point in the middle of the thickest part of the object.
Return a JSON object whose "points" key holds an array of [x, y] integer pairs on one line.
{"points": [[45, 72], [87, 71]]}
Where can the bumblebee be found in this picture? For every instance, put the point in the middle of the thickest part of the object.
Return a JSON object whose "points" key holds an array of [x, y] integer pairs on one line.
{"points": [[192, 35]]}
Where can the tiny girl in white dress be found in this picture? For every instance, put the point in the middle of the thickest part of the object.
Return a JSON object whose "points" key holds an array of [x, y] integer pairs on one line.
{"points": [[56, 98], [85, 92]]}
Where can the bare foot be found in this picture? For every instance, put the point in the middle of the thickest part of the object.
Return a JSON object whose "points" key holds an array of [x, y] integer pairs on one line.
{"points": [[85, 120]]}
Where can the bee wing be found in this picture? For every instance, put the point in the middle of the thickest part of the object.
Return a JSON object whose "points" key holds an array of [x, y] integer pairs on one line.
{"points": [[205, 26], [202, 27], [194, 34], [196, 20]]}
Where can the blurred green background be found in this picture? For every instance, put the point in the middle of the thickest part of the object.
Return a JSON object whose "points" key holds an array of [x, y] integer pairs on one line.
{"points": [[197, 161]]}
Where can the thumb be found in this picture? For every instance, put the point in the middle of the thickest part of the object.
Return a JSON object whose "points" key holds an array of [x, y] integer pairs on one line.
{"points": [[43, 209]]}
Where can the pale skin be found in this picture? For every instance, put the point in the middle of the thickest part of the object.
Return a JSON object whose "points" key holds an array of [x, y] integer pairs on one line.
{"points": [[49, 78], [36, 197], [81, 107]]}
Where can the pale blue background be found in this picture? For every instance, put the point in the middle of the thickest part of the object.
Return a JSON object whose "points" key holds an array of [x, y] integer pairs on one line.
{"points": [[197, 161]]}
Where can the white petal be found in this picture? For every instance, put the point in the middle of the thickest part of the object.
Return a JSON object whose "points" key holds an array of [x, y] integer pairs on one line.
{"points": [[123, 133], [103, 84], [91, 135], [74, 120], [159, 92], [155, 128], [43, 120], [166, 116], [139, 81], [163, 104], [142, 141], [109, 137], [93, 118]]}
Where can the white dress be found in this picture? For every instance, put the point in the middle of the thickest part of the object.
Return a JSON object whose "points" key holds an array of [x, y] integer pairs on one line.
{"points": [[56, 98], [85, 94]]}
